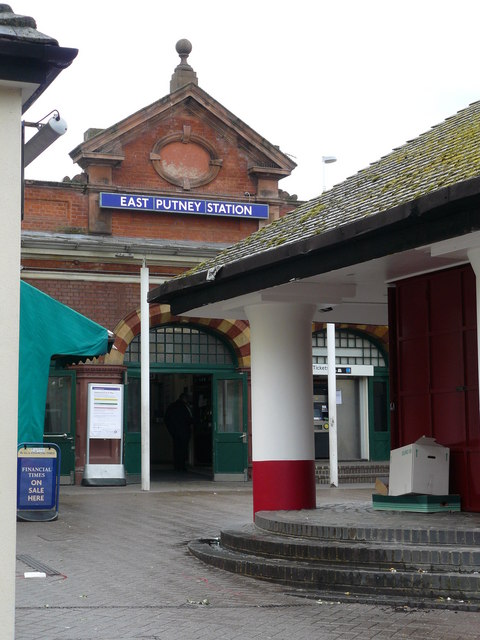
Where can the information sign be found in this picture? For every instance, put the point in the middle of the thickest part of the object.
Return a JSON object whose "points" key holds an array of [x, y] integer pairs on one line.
{"points": [[105, 411], [105, 422]]}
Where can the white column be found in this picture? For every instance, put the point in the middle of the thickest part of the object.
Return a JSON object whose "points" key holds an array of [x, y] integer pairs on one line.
{"points": [[474, 257], [10, 190], [283, 453], [332, 405], [145, 376]]}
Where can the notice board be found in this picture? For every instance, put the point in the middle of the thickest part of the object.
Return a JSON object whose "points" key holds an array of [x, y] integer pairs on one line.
{"points": [[105, 411]]}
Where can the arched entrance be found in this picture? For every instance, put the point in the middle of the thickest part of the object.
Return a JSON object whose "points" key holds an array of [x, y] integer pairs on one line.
{"points": [[363, 427], [196, 361]]}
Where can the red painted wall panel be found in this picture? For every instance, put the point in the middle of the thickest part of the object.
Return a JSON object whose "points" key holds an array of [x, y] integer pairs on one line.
{"points": [[412, 303], [413, 357], [445, 302], [447, 362], [414, 416], [448, 418], [436, 378]]}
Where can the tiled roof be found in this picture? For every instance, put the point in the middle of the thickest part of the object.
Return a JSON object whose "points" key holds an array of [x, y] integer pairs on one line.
{"points": [[20, 28], [445, 155]]}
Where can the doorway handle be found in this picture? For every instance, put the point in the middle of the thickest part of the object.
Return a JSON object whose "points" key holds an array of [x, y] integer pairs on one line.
{"points": [[59, 435], [243, 438]]}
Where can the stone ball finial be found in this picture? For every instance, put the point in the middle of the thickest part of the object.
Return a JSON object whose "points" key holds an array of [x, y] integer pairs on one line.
{"points": [[183, 47], [183, 74]]}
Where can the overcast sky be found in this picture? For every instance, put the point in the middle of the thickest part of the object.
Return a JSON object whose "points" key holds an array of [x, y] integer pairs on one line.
{"points": [[348, 78]]}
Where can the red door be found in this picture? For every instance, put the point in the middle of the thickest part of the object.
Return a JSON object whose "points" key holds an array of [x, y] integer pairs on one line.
{"points": [[436, 377]]}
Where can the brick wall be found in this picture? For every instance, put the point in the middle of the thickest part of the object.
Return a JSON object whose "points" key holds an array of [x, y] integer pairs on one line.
{"points": [[63, 208], [104, 302], [57, 207], [137, 169]]}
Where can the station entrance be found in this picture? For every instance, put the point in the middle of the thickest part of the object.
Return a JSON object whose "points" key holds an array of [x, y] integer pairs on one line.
{"points": [[199, 364], [362, 397]]}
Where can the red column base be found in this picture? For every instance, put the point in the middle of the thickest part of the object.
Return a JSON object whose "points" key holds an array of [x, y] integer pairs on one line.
{"points": [[282, 485]]}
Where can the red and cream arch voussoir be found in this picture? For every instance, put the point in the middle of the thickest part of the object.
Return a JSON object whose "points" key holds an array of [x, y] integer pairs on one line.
{"points": [[236, 332]]}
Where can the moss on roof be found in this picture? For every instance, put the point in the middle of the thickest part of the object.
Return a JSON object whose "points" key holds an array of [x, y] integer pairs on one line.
{"points": [[445, 155]]}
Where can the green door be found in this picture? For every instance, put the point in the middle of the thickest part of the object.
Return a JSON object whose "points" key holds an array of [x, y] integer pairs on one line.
{"points": [[60, 420], [379, 417], [230, 447], [132, 441]]}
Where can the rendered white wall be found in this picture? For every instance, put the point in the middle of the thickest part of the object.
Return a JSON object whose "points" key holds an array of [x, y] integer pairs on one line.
{"points": [[10, 211]]}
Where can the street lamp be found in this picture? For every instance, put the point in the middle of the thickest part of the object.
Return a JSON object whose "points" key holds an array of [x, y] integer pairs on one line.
{"points": [[326, 160], [47, 133]]}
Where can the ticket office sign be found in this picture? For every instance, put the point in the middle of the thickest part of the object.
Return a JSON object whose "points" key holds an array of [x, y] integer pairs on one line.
{"points": [[38, 477]]}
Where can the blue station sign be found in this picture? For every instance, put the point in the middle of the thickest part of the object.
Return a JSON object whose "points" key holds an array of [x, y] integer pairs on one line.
{"points": [[131, 202]]}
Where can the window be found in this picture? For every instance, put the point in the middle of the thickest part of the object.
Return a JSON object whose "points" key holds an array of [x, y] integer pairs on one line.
{"points": [[350, 348], [58, 412], [181, 345], [229, 406]]}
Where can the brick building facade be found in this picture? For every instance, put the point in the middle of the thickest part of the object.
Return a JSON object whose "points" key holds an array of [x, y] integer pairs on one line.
{"points": [[185, 148]]}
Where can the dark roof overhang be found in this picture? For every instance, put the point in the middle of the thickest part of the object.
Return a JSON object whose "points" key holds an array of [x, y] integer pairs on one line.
{"points": [[33, 63], [440, 215]]}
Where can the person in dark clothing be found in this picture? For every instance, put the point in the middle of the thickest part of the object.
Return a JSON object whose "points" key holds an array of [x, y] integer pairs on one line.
{"points": [[178, 420]]}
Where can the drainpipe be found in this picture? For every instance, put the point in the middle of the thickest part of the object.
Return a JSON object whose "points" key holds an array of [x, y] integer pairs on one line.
{"points": [[145, 375]]}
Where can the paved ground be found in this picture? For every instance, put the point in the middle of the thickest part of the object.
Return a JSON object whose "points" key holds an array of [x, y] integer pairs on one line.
{"points": [[118, 569]]}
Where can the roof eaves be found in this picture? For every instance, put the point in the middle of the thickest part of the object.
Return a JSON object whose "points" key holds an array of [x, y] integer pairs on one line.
{"points": [[445, 156], [439, 215], [34, 63]]}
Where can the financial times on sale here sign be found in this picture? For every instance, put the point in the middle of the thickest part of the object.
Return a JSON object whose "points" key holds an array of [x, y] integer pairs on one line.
{"points": [[164, 204], [37, 477]]}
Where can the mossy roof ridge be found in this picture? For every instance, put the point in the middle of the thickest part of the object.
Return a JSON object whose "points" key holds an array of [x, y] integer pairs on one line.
{"points": [[445, 155]]}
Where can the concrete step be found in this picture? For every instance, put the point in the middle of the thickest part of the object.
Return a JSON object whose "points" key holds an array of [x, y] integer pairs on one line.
{"points": [[421, 585], [350, 549], [352, 472], [382, 555], [363, 524]]}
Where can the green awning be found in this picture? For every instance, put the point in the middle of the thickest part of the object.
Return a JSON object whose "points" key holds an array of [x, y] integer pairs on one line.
{"points": [[48, 329]]}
